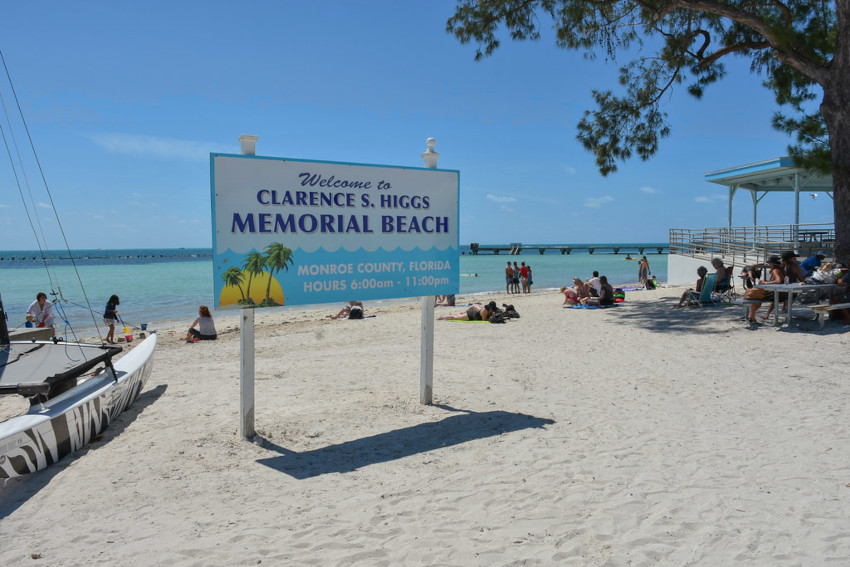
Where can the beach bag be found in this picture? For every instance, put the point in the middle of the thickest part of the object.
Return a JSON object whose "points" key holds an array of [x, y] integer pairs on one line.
{"points": [[756, 294], [510, 312], [619, 295], [498, 316]]}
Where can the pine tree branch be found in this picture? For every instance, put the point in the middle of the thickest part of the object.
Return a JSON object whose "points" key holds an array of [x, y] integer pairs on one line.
{"points": [[792, 58]]}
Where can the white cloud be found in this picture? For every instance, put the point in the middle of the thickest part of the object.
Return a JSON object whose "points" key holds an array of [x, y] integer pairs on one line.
{"points": [[44, 205], [507, 209], [710, 198], [649, 190], [151, 146], [497, 199], [596, 202], [2, 206], [570, 170]]}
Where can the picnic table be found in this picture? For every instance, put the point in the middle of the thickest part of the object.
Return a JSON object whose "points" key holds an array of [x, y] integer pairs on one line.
{"points": [[792, 289]]}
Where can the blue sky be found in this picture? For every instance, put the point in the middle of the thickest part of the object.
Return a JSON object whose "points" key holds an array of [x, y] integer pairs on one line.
{"points": [[125, 101]]}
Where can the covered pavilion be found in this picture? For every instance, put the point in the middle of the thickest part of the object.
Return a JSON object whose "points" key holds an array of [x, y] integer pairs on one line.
{"points": [[761, 178]]}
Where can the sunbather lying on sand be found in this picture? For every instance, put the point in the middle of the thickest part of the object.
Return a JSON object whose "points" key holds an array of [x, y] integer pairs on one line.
{"points": [[475, 312]]}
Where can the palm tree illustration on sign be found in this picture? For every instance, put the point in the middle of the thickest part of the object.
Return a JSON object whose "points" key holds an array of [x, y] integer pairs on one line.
{"points": [[260, 269], [254, 266], [278, 257], [234, 277]]}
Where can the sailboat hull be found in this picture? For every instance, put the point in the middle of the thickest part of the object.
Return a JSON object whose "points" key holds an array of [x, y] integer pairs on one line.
{"points": [[67, 423]]}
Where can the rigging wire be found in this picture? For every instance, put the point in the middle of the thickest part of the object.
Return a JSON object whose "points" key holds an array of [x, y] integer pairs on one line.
{"points": [[49, 195], [23, 173]]}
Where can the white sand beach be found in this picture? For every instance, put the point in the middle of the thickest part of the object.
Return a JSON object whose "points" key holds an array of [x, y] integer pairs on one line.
{"points": [[635, 435]]}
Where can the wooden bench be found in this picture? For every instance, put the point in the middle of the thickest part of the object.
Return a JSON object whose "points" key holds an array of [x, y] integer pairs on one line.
{"points": [[824, 309]]}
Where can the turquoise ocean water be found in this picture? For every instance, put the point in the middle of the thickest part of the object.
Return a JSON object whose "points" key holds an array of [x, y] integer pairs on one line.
{"points": [[165, 286]]}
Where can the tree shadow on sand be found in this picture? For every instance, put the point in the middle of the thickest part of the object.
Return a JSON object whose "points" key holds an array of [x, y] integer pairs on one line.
{"points": [[352, 455], [19, 489], [660, 317]]}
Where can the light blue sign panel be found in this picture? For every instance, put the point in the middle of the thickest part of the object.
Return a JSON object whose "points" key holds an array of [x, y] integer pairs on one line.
{"points": [[298, 232]]}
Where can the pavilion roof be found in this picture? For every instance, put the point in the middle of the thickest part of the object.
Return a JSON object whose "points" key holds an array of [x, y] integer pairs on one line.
{"points": [[776, 174]]}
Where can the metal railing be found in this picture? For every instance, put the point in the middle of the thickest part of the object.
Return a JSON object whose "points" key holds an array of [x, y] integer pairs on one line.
{"points": [[744, 245]]}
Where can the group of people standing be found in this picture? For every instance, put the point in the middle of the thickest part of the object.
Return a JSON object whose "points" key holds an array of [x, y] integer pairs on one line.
{"points": [[595, 291], [516, 276]]}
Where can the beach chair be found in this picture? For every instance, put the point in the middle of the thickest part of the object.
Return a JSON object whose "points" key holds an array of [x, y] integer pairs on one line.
{"points": [[705, 293], [727, 293]]}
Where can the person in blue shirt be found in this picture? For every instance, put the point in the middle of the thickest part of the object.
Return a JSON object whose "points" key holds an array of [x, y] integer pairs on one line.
{"points": [[810, 264]]}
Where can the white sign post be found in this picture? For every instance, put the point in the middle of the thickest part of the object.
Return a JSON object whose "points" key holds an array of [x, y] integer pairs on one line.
{"points": [[426, 363], [246, 343], [301, 232]]}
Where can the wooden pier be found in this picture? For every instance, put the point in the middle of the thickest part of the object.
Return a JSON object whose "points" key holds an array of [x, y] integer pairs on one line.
{"points": [[516, 248]]}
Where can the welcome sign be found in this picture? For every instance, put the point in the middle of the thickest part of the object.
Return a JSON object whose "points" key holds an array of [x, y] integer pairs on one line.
{"points": [[299, 232]]}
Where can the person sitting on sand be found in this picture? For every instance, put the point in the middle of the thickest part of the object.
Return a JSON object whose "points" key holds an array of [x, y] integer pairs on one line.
{"points": [[693, 294], [354, 310], [475, 312], [593, 284], [574, 295], [206, 327], [446, 301], [606, 294]]}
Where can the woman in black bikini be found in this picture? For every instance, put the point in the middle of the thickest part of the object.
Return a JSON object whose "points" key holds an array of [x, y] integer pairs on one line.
{"points": [[475, 312]]}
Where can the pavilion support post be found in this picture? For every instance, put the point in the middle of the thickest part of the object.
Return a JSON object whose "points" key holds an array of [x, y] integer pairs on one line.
{"points": [[796, 231], [732, 190], [754, 195]]}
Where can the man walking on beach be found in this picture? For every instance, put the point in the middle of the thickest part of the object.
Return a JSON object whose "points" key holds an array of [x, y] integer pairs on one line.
{"points": [[509, 278]]}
